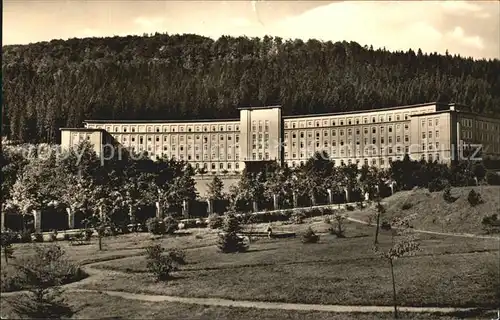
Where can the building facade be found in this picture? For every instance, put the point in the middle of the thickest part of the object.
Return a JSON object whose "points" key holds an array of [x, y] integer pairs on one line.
{"points": [[430, 131]]}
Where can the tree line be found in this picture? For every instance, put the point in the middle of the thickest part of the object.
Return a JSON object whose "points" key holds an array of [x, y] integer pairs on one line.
{"points": [[55, 84]]}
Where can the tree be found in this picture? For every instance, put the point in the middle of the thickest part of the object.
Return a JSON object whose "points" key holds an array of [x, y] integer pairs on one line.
{"points": [[7, 238], [380, 210], [215, 189], [43, 277], [405, 245], [229, 241]]}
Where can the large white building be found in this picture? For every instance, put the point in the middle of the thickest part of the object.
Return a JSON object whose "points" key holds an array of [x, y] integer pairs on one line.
{"points": [[431, 131]]}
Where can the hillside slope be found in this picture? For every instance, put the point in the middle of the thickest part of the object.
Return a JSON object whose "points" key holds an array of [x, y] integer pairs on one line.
{"points": [[433, 213], [56, 84]]}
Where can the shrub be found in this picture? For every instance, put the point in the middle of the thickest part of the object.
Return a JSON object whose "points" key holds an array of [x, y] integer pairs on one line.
{"points": [[159, 264], [385, 226], [407, 205], [474, 198], [491, 224], [53, 236], [437, 185], [215, 221], [309, 236], [178, 256], [171, 225], [37, 237], [298, 217], [349, 207], [327, 220], [314, 212], [447, 195], [25, 236], [360, 205], [42, 274], [229, 241], [7, 238], [493, 178], [155, 226], [338, 229], [67, 237]]}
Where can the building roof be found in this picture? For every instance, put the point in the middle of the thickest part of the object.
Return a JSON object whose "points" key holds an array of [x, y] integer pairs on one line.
{"points": [[161, 121], [367, 110], [81, 129], [259, 107]]}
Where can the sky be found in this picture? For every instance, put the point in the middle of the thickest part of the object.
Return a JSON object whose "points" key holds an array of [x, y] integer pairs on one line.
{"points": [[468, 28]]}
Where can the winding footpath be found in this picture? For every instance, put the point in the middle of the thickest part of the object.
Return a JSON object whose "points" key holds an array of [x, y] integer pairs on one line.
{"points": [[96, 274]]}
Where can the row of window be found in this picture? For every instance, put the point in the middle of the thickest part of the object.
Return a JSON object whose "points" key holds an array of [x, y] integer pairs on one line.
{"points": [[342, 132], [173, 139], [381, 161], [333, 143], [352, 121], [262, 126], [171, 128], [481, 124], [429, 135], [430, 122]]}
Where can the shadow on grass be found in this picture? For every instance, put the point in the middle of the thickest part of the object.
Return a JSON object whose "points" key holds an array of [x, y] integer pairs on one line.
{"points": [[476, 313]]}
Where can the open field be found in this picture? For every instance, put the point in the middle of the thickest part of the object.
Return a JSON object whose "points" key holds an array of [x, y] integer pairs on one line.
{"points": [[435, 214], [336, 271], [102, 306], [448, 272]]}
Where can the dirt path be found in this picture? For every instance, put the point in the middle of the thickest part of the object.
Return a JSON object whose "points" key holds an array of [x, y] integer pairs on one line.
{"points": [[268, 305], [462, 235]]}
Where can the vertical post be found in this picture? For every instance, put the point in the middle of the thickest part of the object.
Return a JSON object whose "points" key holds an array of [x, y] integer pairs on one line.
{"points": [[209, 206], [367, 196], [37, 219], [159, 214], [295, 202], [330, 196], [347, 195], [2, 226], [275, 202], [255, 206], [185, 208], [71, 218]]}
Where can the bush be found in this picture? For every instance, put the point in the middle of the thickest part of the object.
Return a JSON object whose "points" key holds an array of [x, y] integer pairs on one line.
{"points": [[493, 178], [349, 207], [437, 185], [53, 236], [229, 241], [159, 264], [178, 256], [338, 229], [37, 237], [314, 212], [309, 236], [155, 226], [41, 275], [447, 195], [407, 205], [171, 224], [215, 221], [298, 217], [385, 226], [25, 237], [491, 224], [67, 237], [7, 238], [360, 205], [474, 198]]}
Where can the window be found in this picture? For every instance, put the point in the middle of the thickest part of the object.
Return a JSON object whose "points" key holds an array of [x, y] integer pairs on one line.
{"points": [[437, 122], [430, 134], [437, 134], [423, 135], [430, 122]]}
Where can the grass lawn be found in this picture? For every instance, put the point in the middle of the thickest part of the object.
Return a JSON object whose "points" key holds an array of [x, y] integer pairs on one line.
{"points": [[448, 272], [101, 306], [435, 214]]}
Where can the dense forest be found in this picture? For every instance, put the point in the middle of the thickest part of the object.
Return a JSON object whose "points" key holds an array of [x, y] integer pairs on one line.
{"points": [[56, 84]]}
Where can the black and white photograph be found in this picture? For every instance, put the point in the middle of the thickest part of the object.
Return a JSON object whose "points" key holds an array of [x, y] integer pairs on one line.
{"points": [[241, 160]]}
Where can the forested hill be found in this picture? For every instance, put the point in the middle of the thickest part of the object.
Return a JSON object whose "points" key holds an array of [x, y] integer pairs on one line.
{"points": [[60, 83]]}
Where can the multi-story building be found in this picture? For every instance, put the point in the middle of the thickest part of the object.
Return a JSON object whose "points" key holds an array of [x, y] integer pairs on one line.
{"points": [[430, 131]]}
